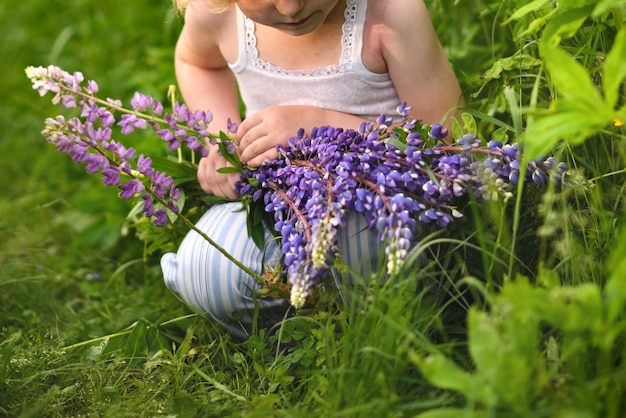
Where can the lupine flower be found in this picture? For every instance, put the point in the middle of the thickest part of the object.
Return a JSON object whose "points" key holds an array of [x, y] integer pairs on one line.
{"points": [[88, 137], [400, 180], [393, 178]]}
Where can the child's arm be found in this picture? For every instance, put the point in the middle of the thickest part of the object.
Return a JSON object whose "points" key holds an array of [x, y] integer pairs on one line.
{"points": [[415, 60], [207, 83]]}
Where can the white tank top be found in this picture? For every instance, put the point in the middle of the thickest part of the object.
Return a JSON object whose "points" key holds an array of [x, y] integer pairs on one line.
{"points": [[347, 86]]}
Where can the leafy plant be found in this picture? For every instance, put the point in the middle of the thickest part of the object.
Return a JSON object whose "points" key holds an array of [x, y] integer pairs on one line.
{"points": [[536, 347], [581, 109]]}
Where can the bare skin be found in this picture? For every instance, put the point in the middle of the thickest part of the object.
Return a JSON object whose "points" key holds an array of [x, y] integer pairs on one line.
{"points": [[398, 38]]}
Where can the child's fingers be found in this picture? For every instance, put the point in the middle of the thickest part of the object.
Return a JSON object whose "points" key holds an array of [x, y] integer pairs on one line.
{"points": [[249, 130], [256, 148], [270, 154], [253, 135], [215, 183], [226, 186], [204, 167]]}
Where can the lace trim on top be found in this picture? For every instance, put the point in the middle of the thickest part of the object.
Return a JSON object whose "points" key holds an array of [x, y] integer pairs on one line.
{"points": [[347, 45]]}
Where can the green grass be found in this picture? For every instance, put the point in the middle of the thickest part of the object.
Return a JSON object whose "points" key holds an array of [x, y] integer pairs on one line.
{"points": [[87, 327]]}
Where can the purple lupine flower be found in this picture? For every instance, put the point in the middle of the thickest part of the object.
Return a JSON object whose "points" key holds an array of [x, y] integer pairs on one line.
{"points": [[92, 87], [111, 176], [174, 193], [469, 141], [161, 183], [148, 205], [391, 188], [180, 112], [128, 123], [160, 217], [141, 102], [87, 138], [231, 126], [144, 166], [131, 188], [96, 163], [403, 109], [395, 178]]}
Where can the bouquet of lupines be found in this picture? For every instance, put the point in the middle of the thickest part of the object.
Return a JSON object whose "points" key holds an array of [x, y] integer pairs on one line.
{"points": [[394, 177]]}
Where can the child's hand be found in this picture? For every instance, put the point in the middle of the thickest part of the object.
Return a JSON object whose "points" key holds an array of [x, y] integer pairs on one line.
{"points": [[215, 183], [258, 135]]}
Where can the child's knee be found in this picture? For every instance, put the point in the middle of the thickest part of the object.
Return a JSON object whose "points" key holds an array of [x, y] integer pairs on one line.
{"points": [[229, 295], [169, 266], [195, 283]]}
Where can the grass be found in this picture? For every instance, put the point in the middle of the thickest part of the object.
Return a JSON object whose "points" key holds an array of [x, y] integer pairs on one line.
{"points": [[87, 327]]}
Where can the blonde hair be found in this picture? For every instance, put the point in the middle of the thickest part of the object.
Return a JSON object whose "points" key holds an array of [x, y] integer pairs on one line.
{"points": [[217, 5]]}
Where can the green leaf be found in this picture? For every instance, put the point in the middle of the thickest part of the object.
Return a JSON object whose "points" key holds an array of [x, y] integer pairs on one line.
{"points": [[576, 308], [531, 7], [215, 200], [144, 339], [548, 278], [174, 168], [500, 134], [503, 343], [580, 111], [571, 79], [184, 405], [443, 372], [253, 181], [495, 71], [258, 236], [537, 23], [457, 129], [516, 113], [565, 25], [614, 69], [224, 137], [487, 118], [396, 143], [136, 209], [547, 131], [515, 62], [185, 346], [232, 158], [258, 220], [399, 135], [469, 123], [228, 170], [180, 202], [604, 5]]}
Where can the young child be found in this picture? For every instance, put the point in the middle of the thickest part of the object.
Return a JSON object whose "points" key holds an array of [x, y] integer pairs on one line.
{"points": [[297, 64]]}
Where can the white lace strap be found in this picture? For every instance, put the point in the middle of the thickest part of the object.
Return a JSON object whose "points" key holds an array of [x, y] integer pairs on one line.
{"points": [[242, 53], [352, 32], [250, 39]]}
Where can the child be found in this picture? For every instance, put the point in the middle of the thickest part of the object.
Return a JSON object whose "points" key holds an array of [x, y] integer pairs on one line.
{"points": [[298, 64]]}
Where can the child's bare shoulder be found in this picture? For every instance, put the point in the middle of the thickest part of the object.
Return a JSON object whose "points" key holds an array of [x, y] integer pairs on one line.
{"points": [[200, 17], [207, 36], [395, 14]]}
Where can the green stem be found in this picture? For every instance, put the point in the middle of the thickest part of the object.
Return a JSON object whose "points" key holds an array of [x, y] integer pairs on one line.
{"points": [[96, 340]]}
